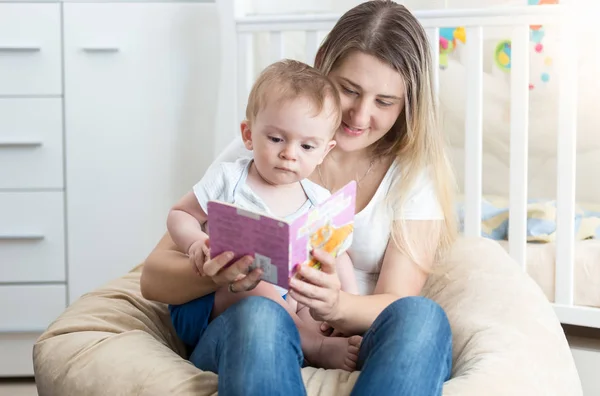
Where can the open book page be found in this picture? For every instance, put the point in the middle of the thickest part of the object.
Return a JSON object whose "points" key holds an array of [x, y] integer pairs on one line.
{"points": [[329, 226], [249, 233]]}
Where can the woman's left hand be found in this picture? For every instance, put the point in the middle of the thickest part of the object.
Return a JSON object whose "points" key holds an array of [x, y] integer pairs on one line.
{"points": [[318, 290]]}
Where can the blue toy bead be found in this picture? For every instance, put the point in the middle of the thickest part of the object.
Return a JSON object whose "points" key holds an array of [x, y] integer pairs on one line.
{"points": [[545, 77], [537, 35]]}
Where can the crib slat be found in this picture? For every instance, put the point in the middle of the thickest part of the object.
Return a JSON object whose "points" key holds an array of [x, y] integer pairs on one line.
{"points": [[312, 44], [277, 49], [519, 117], [244, 72], [434, 42], [473, 138], [566, 155]]}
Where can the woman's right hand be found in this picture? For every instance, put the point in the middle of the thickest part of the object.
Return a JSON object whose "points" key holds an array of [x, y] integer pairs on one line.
{"points": [[236, 276], [168, 277]]}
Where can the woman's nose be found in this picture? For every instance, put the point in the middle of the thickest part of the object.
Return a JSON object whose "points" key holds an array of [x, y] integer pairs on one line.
{"points": [[360, 114]]}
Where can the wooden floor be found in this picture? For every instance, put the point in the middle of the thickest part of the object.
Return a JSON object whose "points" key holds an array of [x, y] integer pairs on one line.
{"points": [[17, 387]]}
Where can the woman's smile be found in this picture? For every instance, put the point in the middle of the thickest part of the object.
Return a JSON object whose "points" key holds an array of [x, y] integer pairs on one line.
{"points": [[352, 131]]}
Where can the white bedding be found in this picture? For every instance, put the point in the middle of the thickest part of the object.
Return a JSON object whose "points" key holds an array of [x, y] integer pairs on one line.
{"points": [[540, 266]]}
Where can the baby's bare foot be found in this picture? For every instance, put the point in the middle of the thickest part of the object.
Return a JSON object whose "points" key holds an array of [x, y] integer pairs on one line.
{"points": [[338, 353]]}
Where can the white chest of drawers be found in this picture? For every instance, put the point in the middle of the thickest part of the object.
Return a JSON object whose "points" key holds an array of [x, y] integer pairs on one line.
{"points": [[106, 117]]}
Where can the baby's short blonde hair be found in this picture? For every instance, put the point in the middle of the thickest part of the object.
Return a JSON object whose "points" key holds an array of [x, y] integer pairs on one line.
{"points": [[289, 79]]}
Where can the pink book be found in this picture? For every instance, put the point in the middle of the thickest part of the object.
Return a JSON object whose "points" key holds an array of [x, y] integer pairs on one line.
{"points": [[278, 246]]}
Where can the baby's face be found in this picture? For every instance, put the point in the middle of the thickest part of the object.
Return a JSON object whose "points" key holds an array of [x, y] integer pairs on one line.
{"points": [[289, 140]]}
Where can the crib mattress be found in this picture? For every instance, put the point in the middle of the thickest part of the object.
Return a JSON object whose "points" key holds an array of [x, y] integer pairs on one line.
{"points": [[541, 267]]}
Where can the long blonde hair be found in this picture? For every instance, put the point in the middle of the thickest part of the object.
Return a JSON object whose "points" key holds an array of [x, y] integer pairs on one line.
{"points": [[389, 32]]}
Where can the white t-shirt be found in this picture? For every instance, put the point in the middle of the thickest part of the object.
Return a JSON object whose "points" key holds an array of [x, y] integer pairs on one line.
{"points": [[373, 224], [226, 182]]}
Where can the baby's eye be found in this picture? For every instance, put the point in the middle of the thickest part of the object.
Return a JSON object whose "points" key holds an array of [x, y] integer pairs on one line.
{"points": [[275, 139], [307, 147]]}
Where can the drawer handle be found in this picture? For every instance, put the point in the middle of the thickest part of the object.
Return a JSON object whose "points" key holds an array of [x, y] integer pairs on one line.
{"points": [[20, 143], [15, 48], [21, 237], [106, 50]]}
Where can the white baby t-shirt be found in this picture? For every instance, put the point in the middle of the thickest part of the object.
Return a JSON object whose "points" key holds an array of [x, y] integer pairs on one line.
{"points": [[226, 182]]}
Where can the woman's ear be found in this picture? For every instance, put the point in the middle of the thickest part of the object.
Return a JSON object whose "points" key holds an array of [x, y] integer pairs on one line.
{"points": [[246, 134]]}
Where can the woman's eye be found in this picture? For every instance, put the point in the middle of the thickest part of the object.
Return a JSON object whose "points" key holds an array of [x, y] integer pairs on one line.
{"points": [[275, 139], [349, 91], [307, 147], [383, 103]]}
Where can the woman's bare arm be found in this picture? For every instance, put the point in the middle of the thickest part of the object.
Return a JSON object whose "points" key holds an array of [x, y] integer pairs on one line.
{"points": [[169, 277], [399, 277]]}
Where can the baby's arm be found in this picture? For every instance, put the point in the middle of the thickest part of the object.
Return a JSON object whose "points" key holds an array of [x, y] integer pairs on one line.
{"points": [[185, 222], [345, 271]]}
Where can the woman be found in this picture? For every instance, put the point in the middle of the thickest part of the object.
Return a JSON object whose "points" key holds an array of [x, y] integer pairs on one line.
{"points": [[378, 57]]}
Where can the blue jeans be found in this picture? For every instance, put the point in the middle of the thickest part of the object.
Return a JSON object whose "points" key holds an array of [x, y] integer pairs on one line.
{"points": [[254, 346]]}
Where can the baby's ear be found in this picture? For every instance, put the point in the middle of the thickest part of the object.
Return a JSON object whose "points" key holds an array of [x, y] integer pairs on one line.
{"points": [[246, 134], [330, 145]]}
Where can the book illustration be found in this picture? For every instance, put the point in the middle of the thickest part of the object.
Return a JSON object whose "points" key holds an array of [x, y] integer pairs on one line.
{"points": [[264, 263], [277, 246], [328, 226], [329, 239]]}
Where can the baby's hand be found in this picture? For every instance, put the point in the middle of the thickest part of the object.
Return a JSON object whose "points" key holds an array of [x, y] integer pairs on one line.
{"points": [[199, 253]]}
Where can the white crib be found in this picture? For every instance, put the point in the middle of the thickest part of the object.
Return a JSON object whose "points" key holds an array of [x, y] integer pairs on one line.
{"points": [[238, 53]]}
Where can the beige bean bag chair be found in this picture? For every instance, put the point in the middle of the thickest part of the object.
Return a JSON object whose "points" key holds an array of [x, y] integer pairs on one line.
{"points": [[507, 340]]}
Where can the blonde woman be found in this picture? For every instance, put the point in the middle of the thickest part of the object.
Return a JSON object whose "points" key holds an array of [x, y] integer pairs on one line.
{"points": [[377, 55]]}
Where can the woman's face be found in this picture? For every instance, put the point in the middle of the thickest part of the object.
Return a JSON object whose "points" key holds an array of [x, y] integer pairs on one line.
{"points": [[372, 95]]}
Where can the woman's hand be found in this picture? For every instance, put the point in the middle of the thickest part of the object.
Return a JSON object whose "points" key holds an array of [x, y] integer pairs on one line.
{"points": [[236, 276], [318, 290]]}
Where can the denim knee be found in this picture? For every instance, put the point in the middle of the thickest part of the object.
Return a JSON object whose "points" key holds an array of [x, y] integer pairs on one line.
{"points": [[260, 310], [419, 319], [263, 322], [407, 350]]}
